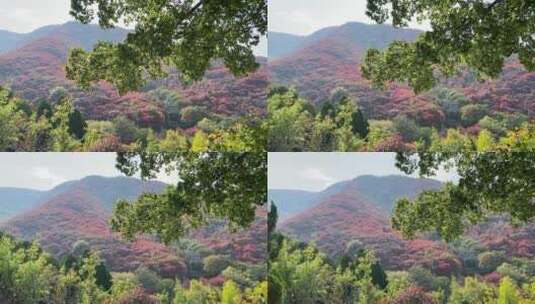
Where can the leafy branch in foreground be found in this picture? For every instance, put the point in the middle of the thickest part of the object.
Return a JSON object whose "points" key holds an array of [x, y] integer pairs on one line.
{"points": [[478, 34], [185, 34], [212, 185], [489, 184]]}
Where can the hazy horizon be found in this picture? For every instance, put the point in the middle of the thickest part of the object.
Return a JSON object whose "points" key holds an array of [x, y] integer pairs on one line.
{"points": [[319, 170], [26, 16], [43, 171]]}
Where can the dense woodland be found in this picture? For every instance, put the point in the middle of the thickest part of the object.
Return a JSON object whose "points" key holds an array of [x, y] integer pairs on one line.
{"points": [[54, 124], [301, 273], [30, 275], [448, 121]]}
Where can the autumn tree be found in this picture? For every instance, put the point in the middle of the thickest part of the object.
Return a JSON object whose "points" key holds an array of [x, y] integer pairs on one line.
{"points": [[480, 34], [185, 34]]}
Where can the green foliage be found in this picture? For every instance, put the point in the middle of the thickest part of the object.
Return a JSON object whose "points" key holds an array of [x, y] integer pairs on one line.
{"points": [[273, 217], [294, 126], [477, 34], [191, 115], [507, 293], [187, 35], [301, 274], [490, 183], [215, 264], [425, 279], [125, 129], [473, 291], [222, 185], [490, 260], [472, 113], [77, 124], [231, 294]]}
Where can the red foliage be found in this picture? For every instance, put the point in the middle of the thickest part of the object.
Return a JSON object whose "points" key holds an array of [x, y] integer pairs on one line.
{"points": [[139, 296], [34, 69], [413, 295], [331, 59]]}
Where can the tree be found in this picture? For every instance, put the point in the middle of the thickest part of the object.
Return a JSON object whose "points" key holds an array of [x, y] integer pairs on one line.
{"points": [[44, 109], [148, 279], [200, 142], [230, 294], [57, 94], [478, 34], [10, 121], [103, 277], [490, 260], [359, 124], [273, 217], [62, 139], [77, 124], [222, 185], [490, 183], [125, 129], [80, 249], [507, 292], [472, 113], [473, 292], [185, 34], [191, 115], [215, 264]]}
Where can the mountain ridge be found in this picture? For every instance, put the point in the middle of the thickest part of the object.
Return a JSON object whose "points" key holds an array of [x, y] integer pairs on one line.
{"points": [[332, 61]]}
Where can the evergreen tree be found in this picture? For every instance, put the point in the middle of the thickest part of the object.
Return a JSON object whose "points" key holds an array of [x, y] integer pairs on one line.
{"points": [[360, 124], [77, 124]]}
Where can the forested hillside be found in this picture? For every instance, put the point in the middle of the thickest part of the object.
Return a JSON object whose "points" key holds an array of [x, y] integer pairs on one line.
{"points": [[324, 71], [345, 243], [33, 69], [74, 217]]}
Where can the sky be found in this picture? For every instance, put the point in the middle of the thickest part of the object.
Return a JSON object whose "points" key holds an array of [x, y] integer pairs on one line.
{"points": [[23, 16], [303, 17], [317, 171], [43, 171]]}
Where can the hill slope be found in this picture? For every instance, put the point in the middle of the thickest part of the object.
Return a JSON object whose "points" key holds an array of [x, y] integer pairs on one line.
{"points": [[78, 215], [34, 65], [359, 210], [358, 216], [330, 58], [80, 210]]}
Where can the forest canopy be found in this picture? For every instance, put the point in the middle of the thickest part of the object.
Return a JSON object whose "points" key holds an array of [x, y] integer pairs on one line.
{"points": [[480, 35], [186, 35], [229, 186]]}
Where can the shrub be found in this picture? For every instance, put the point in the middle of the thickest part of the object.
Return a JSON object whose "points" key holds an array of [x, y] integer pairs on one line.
{"points": [[490, 260]]}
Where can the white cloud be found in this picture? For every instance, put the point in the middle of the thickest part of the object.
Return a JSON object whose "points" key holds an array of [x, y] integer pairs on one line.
{"points": [[46, 175], [316, 175]]}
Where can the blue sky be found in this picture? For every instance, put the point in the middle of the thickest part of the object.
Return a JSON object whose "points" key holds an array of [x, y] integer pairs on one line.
{"points": [[43, 171], [303, 17], [316, 171]]}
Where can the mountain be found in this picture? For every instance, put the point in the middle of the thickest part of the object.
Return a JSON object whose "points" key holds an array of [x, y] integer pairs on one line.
{"points": [[382, 190], [16, 200], [329, 58], [107, 189], [77, 214], [32, 64], [80, 210], [357, 215]]}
